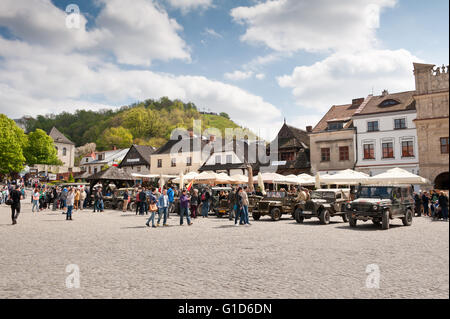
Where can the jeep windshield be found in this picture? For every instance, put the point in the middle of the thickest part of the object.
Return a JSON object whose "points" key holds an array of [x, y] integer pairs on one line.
{"points": [[375, 192], [322, 195]]}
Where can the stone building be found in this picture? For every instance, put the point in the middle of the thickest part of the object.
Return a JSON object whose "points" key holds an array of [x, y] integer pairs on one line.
{"points": [[137, 159], [432, 122], [332, 141], [65, 149]]}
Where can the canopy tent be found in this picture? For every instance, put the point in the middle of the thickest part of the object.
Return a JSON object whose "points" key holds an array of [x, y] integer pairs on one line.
{"points": [[205, 178], [150, 176], [346, 177], [239, 179], [305, 179], [223, 178], [397, 176], [270, 177], [291, 180], [186, 178]]}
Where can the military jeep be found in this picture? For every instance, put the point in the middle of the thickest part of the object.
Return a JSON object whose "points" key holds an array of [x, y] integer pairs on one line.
{"points": [[381, 204], [324, 204], [274, 204]]}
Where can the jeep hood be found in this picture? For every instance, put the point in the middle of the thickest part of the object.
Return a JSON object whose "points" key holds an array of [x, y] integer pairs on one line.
{"points": [[372, 201]]}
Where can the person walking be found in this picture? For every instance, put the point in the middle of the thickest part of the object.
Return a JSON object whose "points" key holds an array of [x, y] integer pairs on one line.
{"points": [[136, 201], [171, 196], [63, 199], [96, 200], [153, 207], [443, 204], [82, 198], [76, 203], [163, 205], [205, 203], [417, 205], [239, 208], [70, 202], [14, 199], [194, 203], [233, 204], [126, 201], [142, 201], [35, 201], [245, 205], [184, 208], [425, 203]]}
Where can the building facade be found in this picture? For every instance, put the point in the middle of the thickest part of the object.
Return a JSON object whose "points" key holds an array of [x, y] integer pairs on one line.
{"points": [[333, 139], [96, 162], [386, 135], [137, 160], [432, 121]]}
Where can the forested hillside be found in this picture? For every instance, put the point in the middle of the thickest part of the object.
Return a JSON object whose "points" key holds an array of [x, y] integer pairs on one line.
{"points": [[145, 123]]}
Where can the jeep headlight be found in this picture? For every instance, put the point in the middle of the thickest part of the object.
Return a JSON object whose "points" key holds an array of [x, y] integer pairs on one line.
{"points": [[375, 207], [349, 206]]}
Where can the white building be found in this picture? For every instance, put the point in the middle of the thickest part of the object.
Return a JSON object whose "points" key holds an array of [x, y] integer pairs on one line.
{"points": [[94, 163], [386, 134]]}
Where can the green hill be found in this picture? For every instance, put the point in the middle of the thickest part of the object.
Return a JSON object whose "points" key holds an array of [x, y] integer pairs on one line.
{"points": [[145, 123]]}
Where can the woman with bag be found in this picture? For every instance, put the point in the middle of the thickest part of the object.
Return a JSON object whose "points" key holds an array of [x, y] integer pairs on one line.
{"points": [[153, 209]]}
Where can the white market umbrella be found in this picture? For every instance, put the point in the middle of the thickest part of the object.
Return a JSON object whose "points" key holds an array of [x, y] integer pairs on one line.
{"points": [[187, 178], [346, 177], [291, 180], [317, 182], [239, 179], [270, 177], [205, 177], [223, 178], [305, 179], [181, 180], [397, 176]]}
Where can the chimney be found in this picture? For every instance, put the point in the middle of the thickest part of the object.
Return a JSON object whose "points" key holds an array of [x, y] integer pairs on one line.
{"points": [[385, 92], [357, 102], [309, 129]]}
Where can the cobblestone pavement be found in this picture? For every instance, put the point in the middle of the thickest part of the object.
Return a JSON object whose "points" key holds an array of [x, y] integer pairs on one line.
{"points": [[119, 257]]}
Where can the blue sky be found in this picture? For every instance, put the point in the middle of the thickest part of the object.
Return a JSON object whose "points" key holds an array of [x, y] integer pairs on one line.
{"points": [[323, 52]]}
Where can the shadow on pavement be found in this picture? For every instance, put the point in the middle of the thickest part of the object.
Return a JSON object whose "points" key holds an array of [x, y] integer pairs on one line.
{"points": [[368, 227]]}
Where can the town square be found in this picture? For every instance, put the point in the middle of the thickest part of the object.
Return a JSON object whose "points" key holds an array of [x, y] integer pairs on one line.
{"points": [[231, 150]]}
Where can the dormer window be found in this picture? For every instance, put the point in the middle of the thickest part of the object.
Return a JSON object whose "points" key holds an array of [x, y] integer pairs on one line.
{"points": [[335, 126], [389, 102]]}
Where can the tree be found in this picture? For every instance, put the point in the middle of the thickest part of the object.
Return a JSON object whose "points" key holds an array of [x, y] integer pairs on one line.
{"points": [[40, 149], [119, 137], [225, 115], [71, 179], [12, 141]]}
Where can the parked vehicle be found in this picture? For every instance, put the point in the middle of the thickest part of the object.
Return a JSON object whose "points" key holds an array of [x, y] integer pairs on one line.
{"points": [[117, 199], [275, 204], [381, 204], [220, 207], [324, 204]]}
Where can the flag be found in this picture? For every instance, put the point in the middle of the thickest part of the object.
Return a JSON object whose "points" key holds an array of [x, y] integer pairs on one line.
{"points": [[190, 185]]}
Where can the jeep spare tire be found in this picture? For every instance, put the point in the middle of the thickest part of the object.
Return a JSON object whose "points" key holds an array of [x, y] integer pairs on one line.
{"points": [[275, 213], [325, 216], [407, 220], [385, 220]]}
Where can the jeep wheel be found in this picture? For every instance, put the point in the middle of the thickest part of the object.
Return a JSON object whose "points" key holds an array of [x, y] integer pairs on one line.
{"points": [[276, 214], [407, 220], [108, 205], [345, 218], [325, 216], [133, 206], [385, 220], [352, 222], [298, 217], [256, 216]]}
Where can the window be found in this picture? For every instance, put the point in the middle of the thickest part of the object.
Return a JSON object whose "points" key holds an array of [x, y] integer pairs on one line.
{"points": [[444, 145], [372, 126], [160, 163], [407, 149], [173, 162], [399, 124], [64, 151], [229, 159], [389, 102], [218, 159], [325, 154], [138, 169], [90, 170], [388, 150], [87, 160], [369, 151], [343, 153], [289, 156], [189, 161], [335, 126]]}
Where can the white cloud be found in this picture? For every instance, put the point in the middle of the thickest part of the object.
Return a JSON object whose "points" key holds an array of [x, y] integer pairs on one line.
{"points": [[188, 5], [260, 76], [343, 76], [320, 25], [120, 29], [212, 33], [238, 75]]}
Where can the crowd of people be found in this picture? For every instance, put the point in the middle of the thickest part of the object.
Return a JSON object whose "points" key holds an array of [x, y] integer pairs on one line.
{"points": [[153, 201], [433, 204]]}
